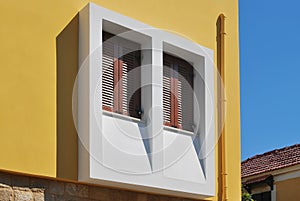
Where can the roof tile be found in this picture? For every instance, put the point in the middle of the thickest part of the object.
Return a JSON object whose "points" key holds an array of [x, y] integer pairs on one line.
{"points": [[271, 160]]}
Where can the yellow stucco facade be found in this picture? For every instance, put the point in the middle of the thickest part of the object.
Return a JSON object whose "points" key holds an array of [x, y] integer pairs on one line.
{"points": [[29, 31], [288, 189]]}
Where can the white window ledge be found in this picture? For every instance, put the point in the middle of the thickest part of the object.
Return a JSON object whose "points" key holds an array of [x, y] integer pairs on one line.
{"points": [[124, 117], [179, 131]]}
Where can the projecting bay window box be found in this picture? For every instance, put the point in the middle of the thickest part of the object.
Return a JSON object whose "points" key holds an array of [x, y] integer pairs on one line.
{"points": [[145, 107]]}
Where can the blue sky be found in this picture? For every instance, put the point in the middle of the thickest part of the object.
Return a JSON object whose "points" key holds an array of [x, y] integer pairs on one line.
{"points": [[270, 74]]}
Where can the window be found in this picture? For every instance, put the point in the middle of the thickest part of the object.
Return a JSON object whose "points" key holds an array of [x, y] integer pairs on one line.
{"points": [[121, 77], [177, 93], [127, 67], [265, 196]]}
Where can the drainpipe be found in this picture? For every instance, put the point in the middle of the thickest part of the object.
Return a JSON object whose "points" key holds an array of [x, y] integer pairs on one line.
{"points": [[221, 64]]}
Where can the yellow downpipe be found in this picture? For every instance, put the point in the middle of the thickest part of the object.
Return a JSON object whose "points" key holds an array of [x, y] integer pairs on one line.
{"points": [[221, 99]]}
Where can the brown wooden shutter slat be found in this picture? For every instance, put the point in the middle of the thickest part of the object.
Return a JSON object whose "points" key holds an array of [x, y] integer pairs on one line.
{"points": [[116, 78]]}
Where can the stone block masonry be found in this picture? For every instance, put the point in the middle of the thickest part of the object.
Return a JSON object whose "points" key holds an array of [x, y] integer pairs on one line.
{"points": [[8, 193], [17, 187]]}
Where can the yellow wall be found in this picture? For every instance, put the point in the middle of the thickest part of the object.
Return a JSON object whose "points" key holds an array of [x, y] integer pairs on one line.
{"points": [[28, 38], [288, 190]]}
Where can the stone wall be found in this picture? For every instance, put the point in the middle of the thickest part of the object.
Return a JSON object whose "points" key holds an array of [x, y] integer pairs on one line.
{"points": [[14, 187], [8, 193]]}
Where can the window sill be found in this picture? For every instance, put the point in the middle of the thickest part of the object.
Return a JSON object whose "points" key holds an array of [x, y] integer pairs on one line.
{"points": [[123, 117], [180, 131]]}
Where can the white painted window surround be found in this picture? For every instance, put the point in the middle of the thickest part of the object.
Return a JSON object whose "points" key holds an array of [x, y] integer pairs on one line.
{"points": [[121, 151]]}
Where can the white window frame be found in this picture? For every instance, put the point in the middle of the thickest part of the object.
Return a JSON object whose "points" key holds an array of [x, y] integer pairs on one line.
{"points": [[159, 176]]}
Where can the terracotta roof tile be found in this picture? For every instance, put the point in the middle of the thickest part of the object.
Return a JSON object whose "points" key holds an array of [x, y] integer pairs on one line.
{"points": [[272, 160]]}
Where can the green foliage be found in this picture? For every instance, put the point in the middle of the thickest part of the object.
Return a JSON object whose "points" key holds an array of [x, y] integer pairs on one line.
{"points": [[246, 197]]}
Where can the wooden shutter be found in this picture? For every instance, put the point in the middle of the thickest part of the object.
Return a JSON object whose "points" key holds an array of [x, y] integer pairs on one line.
{"points": [[131, 80], [121, 77], [174, 95], [108, 73], [186, 96], [177, 93], [167, 92]]}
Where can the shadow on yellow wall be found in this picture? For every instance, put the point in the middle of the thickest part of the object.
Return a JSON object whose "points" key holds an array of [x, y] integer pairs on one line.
{"points": [[66, 70]]}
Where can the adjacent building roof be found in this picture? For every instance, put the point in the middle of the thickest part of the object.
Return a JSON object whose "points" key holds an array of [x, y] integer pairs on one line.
{"points": [[272, 160]]}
